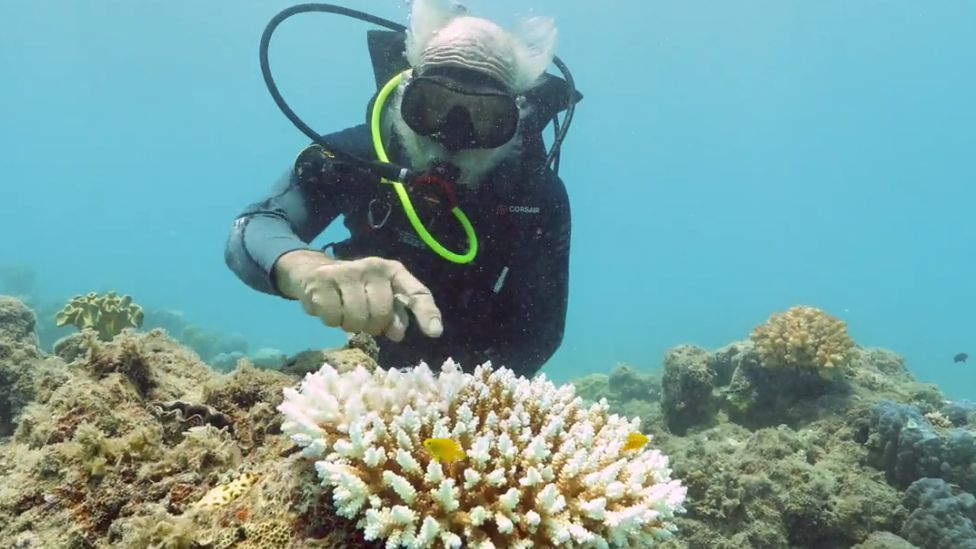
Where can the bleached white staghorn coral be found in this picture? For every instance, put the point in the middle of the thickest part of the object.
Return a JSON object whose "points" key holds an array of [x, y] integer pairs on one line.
{"points": [[541, 470]]}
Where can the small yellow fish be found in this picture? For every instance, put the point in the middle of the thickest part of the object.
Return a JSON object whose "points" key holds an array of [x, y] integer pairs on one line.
{"points": [[635, 441], [444, 449]]}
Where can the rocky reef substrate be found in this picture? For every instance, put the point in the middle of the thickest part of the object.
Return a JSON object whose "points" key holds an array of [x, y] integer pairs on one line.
{"points": [[774, 458], [136, 442]]}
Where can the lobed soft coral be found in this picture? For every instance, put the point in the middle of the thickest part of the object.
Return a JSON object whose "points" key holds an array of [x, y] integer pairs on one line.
{"points": [[804, 338], [107, 314], [541, 470]]}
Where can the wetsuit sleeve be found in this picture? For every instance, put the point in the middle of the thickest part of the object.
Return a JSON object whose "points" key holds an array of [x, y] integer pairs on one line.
{"points": [[310, 196], [541, 293]]}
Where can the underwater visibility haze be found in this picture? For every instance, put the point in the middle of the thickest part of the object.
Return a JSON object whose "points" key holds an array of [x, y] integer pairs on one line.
{"points": [[771, 290]]}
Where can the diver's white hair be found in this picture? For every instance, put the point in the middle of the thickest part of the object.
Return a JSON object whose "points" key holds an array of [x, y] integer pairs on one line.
{"points": [[442, 34]]}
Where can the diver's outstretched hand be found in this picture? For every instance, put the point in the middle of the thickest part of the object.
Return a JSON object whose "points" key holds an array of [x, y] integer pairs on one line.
{"points": [[369, 295]]}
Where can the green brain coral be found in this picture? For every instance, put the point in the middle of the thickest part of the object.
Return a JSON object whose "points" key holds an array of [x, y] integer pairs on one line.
{"points": [[107, 314]]}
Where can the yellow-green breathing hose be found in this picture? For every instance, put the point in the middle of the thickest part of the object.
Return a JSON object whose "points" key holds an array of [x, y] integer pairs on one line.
{"points": [[408, 209]]}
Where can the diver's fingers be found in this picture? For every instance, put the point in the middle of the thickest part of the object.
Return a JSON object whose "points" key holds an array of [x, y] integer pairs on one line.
{"points": [[401, 320], [379, 300], [352, 290], [420, 301], [325, 303]]}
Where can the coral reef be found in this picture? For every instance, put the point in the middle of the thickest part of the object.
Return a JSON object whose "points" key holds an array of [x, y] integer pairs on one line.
{"points": [[137, 443], [115, 448], [779, 487], [942, 516], [884, 540], [628, 383], [628, 390], [960, 412], [907, 446], [106, 314], [687, 389], [359, 350], [803, 337], [785, 457], [25, 373], [541, 470]]}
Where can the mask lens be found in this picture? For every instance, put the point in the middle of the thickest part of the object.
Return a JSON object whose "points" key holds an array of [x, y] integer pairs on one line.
{"points": [[427, 108]]}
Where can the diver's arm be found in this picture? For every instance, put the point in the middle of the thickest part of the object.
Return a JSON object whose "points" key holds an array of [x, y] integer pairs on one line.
{"points": [[302, 204], [268, 249], [280, 225]]}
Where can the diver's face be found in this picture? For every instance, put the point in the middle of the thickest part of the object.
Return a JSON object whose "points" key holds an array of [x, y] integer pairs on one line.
{"points": [[459, 119], [474, 163]]}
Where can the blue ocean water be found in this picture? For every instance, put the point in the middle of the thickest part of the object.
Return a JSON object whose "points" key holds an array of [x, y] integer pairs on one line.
{"points": [[730, 160]]}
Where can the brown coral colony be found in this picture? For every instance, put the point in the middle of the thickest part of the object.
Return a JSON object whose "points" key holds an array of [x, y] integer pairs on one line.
{"points": [[803, 337]]}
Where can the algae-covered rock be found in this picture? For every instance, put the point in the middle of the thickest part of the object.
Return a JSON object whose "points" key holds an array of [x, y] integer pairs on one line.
{"points": [[365, 343], [758, 396], [343, 359], [17, 324], [779, 488], [884, 540], [25, 373], [593, 387], [905, 444], [249, 396], [789, 458], [628, 391], [960, 412], [125, 450], [687, 389], [942, 515], [627, 383]]}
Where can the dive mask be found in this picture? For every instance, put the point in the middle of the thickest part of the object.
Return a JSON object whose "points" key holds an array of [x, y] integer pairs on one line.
{"points": [[460, 108]]}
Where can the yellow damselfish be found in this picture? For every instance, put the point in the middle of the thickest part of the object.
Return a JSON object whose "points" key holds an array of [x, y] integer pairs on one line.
{"points": [[444, 449], [635, 441]]}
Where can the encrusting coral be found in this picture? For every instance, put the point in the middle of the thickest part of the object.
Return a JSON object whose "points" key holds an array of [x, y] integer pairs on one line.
{"points": [[541, 469], [803, 337], [107, 314]]}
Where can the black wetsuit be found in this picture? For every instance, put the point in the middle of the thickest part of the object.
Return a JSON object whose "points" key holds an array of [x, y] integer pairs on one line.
{"points": [[507, 306]]}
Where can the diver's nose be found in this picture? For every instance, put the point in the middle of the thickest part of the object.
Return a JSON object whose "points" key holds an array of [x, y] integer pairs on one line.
{"points": [[459, 130]]}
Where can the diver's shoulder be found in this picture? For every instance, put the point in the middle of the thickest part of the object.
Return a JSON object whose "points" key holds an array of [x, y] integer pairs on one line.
{"points": [[551, 183], [355, 140]]}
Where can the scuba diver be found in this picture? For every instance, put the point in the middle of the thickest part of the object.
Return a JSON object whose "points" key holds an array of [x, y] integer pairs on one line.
{"points": [[459, 222]]}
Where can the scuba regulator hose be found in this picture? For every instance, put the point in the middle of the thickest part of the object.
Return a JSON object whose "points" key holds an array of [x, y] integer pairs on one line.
{"points": [[422, 232], [388, 172], [384, 170]]}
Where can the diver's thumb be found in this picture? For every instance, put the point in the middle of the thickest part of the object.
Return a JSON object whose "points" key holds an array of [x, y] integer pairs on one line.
{"points": [[401, 321], [426, 313]]}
